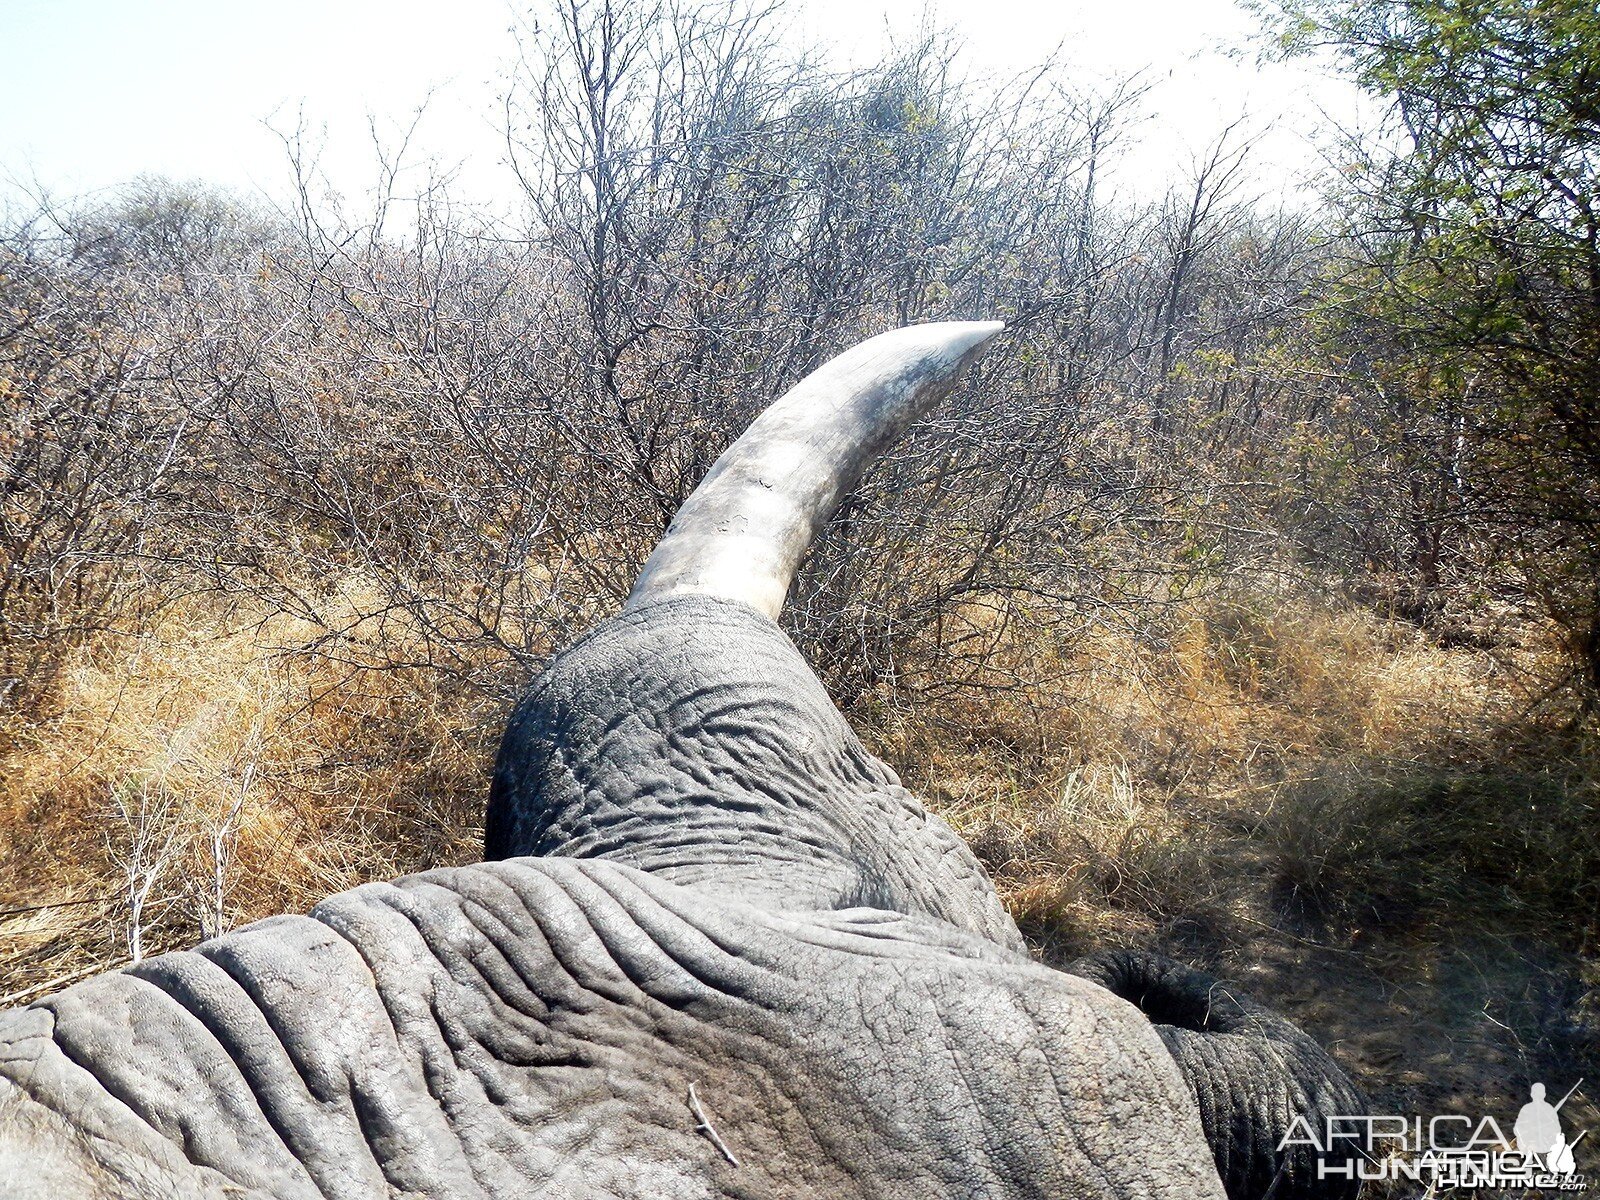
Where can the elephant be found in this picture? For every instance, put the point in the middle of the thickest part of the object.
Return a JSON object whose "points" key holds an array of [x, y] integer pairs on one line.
{"points": [[714, 948]]}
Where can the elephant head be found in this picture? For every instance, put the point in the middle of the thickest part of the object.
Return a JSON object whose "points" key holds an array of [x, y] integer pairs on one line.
{"points": [[715, 949]]}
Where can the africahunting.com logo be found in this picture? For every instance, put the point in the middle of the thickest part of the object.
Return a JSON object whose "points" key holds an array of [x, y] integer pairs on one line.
{"points": [[1449, 1151]]}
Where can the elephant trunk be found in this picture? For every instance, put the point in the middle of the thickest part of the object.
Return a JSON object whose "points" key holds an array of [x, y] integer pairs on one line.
{"points": [[744, 531], [1256, 1077]]}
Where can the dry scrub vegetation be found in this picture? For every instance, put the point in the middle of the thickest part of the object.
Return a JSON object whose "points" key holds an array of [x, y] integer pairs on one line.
{"points": [[210, 770], [1202, 611], [1339, 770], [1366, 777]]}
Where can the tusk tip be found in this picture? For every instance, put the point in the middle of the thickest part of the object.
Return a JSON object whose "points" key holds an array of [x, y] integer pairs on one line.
{"points": [[742, 534], [969, 335], [962, 341]]}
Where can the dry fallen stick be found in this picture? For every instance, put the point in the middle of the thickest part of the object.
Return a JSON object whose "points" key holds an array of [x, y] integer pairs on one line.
{"points": [[33, 908], [705, 1127], [50, 985]]}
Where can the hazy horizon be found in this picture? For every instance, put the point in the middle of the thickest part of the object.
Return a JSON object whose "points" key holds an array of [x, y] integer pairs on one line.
{"points": [[100, 94]]}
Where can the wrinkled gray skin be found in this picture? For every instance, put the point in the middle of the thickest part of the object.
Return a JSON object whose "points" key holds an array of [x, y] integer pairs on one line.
{"points": [[1251, 1072], [704, 882]]}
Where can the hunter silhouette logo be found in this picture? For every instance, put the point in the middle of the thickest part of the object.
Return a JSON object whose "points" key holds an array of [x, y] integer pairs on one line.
{"points": [[1538, 1132], [1450, 1151]]}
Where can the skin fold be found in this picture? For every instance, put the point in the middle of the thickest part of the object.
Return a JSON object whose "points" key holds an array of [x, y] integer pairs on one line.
{"points": [[715, 949]]}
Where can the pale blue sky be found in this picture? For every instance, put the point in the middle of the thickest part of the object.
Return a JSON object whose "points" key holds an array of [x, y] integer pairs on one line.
{"points": [[98, 91]]}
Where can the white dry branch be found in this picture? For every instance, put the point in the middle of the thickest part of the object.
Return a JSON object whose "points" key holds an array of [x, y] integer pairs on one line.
{"points": [[220, 834], [145, 852], [704, 1126]]}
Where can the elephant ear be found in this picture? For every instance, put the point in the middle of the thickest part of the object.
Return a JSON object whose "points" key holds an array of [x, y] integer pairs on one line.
{"points": [[1251, 1071]]}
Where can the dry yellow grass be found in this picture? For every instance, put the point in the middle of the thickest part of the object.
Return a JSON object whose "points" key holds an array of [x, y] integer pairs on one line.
{"points": [[1374, 832], [206, 761], [1137, 787], [228, 777]]}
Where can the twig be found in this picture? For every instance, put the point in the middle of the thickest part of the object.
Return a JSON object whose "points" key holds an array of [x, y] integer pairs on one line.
{"points": [[51, 985], [704, 1127], [32, 908]]}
